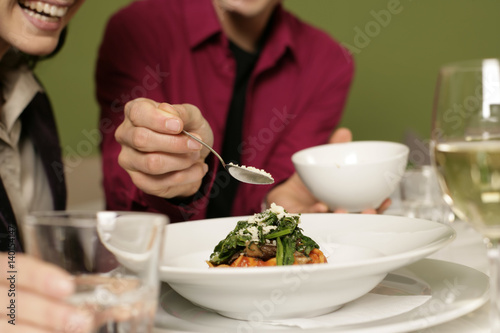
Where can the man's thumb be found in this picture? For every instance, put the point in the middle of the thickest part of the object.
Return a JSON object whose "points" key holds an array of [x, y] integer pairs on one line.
{"points": [[341, 134]]}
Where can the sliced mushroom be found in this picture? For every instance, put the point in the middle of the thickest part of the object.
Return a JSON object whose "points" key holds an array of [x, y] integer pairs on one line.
{"points": [[253, 250], [268, 251]]}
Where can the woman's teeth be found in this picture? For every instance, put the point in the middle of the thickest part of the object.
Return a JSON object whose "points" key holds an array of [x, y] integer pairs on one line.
{"points": [[43, 11]]}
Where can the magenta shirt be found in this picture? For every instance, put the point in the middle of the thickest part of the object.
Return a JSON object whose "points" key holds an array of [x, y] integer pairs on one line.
{"points": [[175, 51]]}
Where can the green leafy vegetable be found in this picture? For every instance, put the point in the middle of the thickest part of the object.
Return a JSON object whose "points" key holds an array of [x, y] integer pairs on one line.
{"points": [[273, 227]]}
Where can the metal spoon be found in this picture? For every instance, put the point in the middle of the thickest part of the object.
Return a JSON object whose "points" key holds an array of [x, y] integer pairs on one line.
{"points": [[244, 174]]}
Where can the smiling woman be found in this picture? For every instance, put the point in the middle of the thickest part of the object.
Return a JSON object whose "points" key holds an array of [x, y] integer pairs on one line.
{"points": [[29, 148], [29, 142], [34, 26]]}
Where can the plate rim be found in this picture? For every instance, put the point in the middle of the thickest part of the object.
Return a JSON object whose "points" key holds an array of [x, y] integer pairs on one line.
{"points": [[416, 254], [418, 323]]}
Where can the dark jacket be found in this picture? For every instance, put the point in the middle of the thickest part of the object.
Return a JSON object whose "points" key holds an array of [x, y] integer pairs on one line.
{"points": [[37, 122]]}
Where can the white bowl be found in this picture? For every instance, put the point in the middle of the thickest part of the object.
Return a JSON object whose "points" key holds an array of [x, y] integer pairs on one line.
{"points": [[354, 175], [361, 249]]}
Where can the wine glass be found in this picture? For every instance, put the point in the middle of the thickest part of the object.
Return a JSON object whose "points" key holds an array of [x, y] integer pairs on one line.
{"points": [[465, 147]]}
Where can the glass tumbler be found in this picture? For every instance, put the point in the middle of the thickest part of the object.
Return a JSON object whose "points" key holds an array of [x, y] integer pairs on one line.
{"points": [[421, 196], [113, 257]]}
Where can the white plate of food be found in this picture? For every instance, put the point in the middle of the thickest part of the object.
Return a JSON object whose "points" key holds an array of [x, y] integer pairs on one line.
{"points": [[436, 278], [360, 250]]}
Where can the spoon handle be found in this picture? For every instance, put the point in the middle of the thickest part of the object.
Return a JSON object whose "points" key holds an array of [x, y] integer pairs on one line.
{"points": [[206, 145]]}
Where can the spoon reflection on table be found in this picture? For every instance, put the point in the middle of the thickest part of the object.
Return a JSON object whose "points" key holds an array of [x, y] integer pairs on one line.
{"points": [[244, 174]]}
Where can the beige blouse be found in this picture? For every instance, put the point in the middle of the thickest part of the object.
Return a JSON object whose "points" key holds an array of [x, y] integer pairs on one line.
{"points": [[21, 170]]}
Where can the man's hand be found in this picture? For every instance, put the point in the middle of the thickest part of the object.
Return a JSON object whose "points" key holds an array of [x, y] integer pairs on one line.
{"points": [[294, 196], [159, 159]]}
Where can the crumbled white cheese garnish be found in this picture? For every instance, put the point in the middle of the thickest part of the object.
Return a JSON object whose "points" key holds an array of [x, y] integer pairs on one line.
{"points": [[254, 169], [253, 229], [256, 221], [254, 232], [271, 242], [266, 229], [280, 211]]}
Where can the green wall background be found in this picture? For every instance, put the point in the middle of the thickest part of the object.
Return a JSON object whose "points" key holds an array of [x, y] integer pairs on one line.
{"points": [[398, 47]]}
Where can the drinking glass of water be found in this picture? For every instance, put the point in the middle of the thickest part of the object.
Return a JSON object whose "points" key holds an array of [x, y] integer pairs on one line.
{"points": [[113, 257], [421, 196]]}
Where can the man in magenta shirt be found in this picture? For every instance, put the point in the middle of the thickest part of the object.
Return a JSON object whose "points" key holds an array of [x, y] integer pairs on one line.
{"points": [[245, 76]]}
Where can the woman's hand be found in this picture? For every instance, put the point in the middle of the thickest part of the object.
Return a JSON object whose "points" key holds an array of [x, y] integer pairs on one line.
{"points": [[33, 298], [159, 159], [294, 196]]}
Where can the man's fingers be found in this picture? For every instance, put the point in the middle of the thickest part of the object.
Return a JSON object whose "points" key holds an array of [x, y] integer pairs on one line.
{"points": [[178, 183], [190, 114], [142, 112], [341, 135], [146, 140], [384, 206], [193, 120], [155, 163], [319, 207]]}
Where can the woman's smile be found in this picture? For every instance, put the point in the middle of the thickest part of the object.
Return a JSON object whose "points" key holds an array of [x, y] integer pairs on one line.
{"points": [[45, 15], [44, 11], [34, 26]]}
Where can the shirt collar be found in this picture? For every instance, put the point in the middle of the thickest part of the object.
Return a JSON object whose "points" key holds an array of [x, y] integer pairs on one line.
{"points": [[203, 24], [280, 37], [20, 87]]}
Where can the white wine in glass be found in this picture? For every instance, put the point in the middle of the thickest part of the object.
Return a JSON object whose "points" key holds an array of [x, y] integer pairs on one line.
{"points": [[465, 145]]}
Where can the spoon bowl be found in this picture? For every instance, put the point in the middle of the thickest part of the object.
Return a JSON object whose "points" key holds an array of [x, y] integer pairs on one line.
{"points": [[245, 174]]}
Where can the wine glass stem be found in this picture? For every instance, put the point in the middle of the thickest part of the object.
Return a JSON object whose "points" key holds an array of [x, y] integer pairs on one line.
{"points": [[494, 259]]}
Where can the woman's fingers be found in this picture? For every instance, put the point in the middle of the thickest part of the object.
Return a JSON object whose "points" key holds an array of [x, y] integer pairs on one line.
{"points": [[48, 313], [35, 275], [35, 292], [5, 327]]}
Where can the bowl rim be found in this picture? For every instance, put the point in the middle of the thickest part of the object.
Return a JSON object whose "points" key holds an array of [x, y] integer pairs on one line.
{"points": [[449, 235], [405, 151]]}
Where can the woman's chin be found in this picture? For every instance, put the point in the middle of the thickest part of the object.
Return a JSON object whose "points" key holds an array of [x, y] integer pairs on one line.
{"points": [[38, 46]]}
